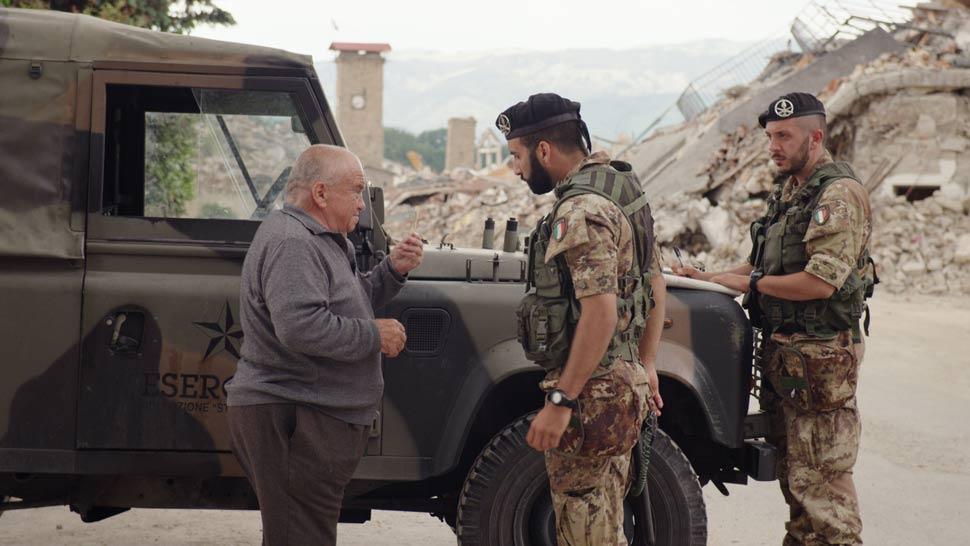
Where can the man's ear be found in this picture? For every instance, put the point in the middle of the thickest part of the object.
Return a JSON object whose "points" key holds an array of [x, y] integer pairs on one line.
{"points": [[543, 152], [319, 194], [818, 138]]}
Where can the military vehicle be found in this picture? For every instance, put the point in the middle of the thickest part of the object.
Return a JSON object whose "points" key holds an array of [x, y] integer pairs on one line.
{"points": [[134, 169]]}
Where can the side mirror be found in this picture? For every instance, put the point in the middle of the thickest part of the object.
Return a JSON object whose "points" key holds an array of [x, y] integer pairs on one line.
{"points": [[296, 125]]}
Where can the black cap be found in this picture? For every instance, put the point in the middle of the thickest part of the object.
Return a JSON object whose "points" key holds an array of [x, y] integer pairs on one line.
{"points": [[539, 112], [792, 105]]}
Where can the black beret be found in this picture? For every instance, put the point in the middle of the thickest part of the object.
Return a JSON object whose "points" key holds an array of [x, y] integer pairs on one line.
{"points": [[539, 112], [792, 105]]}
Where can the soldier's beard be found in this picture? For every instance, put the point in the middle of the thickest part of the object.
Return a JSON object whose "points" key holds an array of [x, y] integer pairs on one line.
{"points": [[798, 161], [539, 180]]}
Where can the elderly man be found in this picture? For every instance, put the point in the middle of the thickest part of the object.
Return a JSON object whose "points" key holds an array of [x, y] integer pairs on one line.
{"points": [[309, 380]]}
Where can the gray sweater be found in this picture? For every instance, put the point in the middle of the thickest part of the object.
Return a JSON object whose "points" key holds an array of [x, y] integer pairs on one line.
{"points": [[307, 319]]}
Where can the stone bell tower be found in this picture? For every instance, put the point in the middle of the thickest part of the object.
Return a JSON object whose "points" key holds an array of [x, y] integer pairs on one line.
{"points": [[360, 99]]}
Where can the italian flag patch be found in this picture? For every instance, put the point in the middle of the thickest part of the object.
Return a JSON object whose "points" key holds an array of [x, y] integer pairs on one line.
{"points": [[821, 215], [559, 229]]}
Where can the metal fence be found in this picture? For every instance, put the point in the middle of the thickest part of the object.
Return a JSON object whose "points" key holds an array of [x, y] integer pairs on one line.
{"points": [[822, 25], [706, 89]]}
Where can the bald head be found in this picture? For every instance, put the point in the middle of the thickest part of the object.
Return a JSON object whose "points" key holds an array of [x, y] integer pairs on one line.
{"points": [[320, 163]]}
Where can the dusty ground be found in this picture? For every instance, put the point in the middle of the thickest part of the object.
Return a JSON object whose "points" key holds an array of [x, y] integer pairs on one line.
{"points": [[913, 473]]}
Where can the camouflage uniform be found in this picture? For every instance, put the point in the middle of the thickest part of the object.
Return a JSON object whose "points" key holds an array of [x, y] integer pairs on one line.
{"points": [[816, 426], [589, 471]]}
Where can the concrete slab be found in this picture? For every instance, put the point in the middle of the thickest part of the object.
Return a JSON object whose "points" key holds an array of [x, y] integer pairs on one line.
{"points": [[665, 169], [813, 77]]}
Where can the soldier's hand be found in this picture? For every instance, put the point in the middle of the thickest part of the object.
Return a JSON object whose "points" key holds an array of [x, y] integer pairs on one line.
{"points": [[407, 254], [655, 401], [392, 336], [688, 271], [548, 427]]}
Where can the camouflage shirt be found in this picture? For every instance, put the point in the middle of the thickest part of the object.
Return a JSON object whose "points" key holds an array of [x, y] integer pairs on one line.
{"points": [[597, 242], [839, 230]]}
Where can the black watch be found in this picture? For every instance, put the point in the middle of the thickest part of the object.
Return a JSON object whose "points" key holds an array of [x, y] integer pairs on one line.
{"points": [[557, 397], [753, 283]]}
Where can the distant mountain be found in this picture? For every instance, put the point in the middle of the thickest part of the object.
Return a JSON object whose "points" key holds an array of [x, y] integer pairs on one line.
{"points": [[622, 91]]}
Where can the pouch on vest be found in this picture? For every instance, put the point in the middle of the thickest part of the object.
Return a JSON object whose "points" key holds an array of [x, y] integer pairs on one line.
{"points": [[546, 317], [544, 329]]}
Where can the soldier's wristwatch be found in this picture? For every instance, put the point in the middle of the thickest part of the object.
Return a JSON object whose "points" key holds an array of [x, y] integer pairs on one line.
{"points": [[557, 397], [756, 276]]}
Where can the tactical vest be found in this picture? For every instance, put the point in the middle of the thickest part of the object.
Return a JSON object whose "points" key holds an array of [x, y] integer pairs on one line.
{"points": [[779, 249], [548, 315]]}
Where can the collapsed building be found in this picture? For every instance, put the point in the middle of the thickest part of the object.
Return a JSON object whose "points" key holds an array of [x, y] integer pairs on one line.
{"points": [[897, 101]]}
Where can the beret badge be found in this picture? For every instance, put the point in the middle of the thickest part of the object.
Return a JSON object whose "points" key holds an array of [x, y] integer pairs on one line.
{"points": [[504, 124], [784, 108]]}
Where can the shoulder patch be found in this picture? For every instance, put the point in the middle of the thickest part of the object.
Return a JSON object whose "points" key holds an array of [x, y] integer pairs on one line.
{"points": [[821, 215], [559, 229]]}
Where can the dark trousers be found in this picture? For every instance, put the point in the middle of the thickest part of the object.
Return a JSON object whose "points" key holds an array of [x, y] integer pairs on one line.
{"points": [[298, 460]]}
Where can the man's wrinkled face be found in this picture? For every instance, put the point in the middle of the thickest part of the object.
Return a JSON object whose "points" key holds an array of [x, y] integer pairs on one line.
{"points": [[789, 144], [345, 202], [527, 167]]}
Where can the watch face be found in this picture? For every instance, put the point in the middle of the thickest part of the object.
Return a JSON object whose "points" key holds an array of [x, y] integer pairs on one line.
{"points": [[556, 398]]}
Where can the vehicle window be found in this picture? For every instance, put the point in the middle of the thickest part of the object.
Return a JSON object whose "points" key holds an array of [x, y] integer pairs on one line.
{"points": [[199, 153]]}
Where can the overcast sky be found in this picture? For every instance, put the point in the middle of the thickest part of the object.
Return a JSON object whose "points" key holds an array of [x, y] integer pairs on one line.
{"points": [[309, 26]]}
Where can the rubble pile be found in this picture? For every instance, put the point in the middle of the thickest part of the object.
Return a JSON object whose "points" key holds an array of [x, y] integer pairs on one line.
{"points": [[456, 214], [922, 246], [900, 120]]}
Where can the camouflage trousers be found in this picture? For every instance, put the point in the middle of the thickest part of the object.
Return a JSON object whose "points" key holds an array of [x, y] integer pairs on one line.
{"points": [[816, 427], [589, 472]]}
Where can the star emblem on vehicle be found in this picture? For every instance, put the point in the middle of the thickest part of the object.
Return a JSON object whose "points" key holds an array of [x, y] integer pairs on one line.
{"points": [[784, 108], [224, 335]]}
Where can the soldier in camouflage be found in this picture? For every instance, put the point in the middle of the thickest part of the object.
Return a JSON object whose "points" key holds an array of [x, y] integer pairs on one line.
{"points": [[806, 281], [604, 383]]}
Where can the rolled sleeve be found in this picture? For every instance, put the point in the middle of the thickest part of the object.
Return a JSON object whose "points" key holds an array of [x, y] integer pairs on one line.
{"points": [[836, 236], [828, 268]]}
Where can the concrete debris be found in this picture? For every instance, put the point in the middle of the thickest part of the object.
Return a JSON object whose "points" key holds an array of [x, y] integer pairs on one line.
{"points": [[899, 119]]}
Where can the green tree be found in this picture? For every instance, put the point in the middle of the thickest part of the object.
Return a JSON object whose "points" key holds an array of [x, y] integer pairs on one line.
{"points": [[170, 155], [166, 15], [430, 144]]}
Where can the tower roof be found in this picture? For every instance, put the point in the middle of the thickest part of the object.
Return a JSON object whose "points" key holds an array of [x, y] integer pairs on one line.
{"points": [[360, 46]]}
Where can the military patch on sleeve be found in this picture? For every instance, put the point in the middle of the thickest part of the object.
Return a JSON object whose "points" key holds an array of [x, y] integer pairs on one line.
{"points": [[559, 229], [821, 215]]}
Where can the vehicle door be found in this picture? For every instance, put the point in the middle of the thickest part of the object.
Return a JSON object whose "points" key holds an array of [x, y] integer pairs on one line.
{"points": [[184, 166]]}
